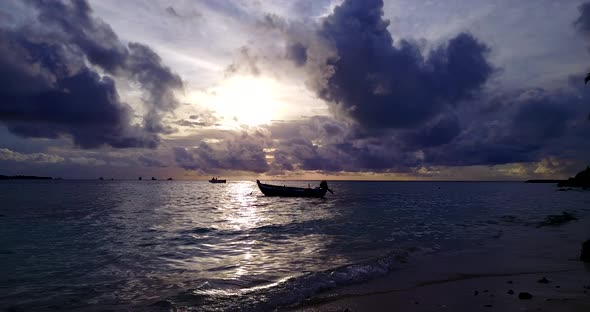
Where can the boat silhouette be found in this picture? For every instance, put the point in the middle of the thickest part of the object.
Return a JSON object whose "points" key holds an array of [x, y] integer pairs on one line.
{"points": [[289, 191], [216, 180]]}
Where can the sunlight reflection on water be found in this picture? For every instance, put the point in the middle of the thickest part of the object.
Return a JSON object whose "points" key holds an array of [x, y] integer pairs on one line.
{"points": [[125, 242]]}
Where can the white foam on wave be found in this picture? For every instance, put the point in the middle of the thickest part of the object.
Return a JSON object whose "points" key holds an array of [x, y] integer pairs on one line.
{"points": [[292, 290]]}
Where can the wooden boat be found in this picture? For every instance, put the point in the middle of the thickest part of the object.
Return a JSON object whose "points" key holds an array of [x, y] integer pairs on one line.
{"points": [[216, 180], [288, 191]]}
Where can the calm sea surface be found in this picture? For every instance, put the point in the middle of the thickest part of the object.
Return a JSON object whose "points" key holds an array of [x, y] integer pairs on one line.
{"points": [[161, 245]]}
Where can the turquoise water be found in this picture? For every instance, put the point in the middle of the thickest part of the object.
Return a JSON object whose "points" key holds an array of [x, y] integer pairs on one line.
{"points": [[162, 245]]}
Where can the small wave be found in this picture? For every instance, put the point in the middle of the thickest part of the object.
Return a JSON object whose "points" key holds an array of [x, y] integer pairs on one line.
{"points": [[553, 220], [289, 291], [275, 229], [557, 220], [223, 268], [200, 230]]}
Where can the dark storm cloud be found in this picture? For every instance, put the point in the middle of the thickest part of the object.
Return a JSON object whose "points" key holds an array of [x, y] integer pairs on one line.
{"points": [[48, 90], [533, 125], [170, 10], [304, 155], [298, 53], [71, 22], [328, 145], [525, 126], [381, 85], [243, 152], [541, 119], [400, 98], [151, 161], [201, 117], [103, 48], [583, 21], [409, 108], [439, 132], [412, 108], [311, 144], [158, 81]]}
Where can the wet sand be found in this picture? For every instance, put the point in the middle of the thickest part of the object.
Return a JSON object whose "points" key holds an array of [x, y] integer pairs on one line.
{"points": [[540, 261]]}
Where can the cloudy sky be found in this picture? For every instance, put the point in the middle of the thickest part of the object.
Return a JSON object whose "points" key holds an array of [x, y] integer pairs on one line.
{"points": [[295, 89]]}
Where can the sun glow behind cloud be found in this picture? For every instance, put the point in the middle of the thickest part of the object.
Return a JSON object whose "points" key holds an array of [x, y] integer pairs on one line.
{"points": [[245, 100], [376, 119]]}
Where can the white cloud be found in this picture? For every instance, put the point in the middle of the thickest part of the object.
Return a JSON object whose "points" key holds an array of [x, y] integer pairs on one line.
{"points": [[534, 42], [6, 154], [87, 161]]}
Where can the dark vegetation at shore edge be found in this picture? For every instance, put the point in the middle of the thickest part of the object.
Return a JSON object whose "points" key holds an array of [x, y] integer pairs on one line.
{"points": [[582, 179], [23, 177]]}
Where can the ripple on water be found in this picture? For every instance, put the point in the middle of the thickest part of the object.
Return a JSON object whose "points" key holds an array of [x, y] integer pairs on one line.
{"points": [[179, 243]]}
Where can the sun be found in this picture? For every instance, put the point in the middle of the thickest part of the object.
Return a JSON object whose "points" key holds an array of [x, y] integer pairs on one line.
{"points": [[246, 100]]}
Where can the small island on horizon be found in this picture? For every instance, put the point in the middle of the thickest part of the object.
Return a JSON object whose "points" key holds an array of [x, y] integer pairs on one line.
{"points": [[581, 179]]}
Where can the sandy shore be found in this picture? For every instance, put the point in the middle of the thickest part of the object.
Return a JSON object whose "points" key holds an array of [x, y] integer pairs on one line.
{"points": [[486, 278]]}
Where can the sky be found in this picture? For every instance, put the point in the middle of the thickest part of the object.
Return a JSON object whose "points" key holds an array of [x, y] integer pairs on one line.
{"points": [[295, 89]]}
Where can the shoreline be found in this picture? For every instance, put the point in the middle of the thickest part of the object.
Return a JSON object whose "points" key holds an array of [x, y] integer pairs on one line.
{"points": [[494, 293], [489, 278]]}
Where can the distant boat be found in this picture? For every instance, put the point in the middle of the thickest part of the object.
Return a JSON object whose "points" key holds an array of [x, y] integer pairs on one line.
{"points": [[154, 179], [139, 179], [288, 191], [216, 180], [169, 179]]}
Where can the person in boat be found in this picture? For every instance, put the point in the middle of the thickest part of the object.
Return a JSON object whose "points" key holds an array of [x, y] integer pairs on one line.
{"points": [[324, 186]]}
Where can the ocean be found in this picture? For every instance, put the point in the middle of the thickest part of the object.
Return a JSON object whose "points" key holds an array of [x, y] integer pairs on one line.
{"points": [[195, 246]]}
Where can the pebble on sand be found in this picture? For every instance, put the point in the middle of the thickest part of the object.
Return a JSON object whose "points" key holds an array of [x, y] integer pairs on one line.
{"points": [[543, 280], [525, 296]]}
